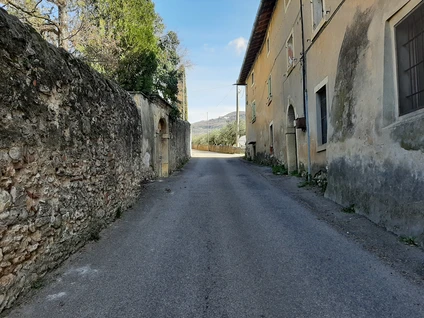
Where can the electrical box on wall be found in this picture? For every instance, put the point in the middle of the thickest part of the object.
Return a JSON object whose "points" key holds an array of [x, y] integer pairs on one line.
{"points": [[300, 123]]}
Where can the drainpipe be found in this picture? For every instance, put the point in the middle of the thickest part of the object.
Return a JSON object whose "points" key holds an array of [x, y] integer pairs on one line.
{"points": [[237, 117], [305, 91]]}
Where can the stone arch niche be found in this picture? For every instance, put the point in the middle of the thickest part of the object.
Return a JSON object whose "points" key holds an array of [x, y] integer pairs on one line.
{"points": [[291, 140], [163, 146]]}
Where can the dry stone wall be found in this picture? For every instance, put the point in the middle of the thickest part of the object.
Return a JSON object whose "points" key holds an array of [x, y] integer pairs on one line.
{"points": [[180, 143], [70, 155]]}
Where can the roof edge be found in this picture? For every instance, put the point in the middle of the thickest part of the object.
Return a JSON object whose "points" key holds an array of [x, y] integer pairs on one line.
{"points": [[254, 50]]}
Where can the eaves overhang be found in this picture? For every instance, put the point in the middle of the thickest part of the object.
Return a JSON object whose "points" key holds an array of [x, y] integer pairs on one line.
{"points": [[260, 28]]}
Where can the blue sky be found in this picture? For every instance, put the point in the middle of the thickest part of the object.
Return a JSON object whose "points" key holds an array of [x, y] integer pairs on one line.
{"points": [[215, 34]]}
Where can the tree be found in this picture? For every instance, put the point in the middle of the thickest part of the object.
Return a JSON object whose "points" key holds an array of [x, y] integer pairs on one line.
{"points": [[226, 136], [51, 18], [131, 47], [168, 72], [123, 39]]}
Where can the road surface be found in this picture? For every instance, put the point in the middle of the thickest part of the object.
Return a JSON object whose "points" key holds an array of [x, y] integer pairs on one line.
{"points": [[219, 240]]}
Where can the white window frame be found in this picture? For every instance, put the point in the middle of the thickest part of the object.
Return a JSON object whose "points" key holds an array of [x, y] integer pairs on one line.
{"points": [[393, 18], [286, 5], [268, 45], [321, 147], [323, 20], [292, 65], [252, 76]]}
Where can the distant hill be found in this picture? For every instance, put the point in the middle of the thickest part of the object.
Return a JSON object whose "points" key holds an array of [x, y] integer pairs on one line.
{"points": [[201, 127]]}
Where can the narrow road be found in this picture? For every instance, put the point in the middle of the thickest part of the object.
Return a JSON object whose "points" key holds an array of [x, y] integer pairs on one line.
{"points": [[219, 240]]}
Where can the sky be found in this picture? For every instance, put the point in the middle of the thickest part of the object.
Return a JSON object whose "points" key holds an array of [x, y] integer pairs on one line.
{"points": [[215, 34]]}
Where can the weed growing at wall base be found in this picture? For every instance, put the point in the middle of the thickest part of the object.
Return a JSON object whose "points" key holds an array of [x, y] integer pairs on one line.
{"points": [[279, 170], [304, 184], [409, 240], [118, 213], [349, 209], [39, 283]]}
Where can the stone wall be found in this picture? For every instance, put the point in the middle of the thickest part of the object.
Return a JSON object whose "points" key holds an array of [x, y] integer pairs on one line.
{"points": [[220, 149], [180, 143], [177, 133], [72, 155]]}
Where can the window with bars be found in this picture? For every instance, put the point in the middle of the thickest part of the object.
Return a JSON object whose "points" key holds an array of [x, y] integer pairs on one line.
{"points": [[410, 55], [322, 115]]}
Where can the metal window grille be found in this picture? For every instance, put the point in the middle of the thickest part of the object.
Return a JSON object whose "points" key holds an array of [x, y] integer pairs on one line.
{"points": [[410, 53]]}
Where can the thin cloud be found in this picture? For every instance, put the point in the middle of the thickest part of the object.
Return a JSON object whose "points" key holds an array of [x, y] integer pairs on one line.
{"points": [[239, 44], [208, 49]]}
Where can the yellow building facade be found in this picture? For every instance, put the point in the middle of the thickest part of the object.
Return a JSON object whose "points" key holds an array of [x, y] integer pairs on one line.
{"points": [[337, 87]]}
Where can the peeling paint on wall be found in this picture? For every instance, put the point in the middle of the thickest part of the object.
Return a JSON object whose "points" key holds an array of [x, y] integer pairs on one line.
{"points": [[354, 45], [401, 213]]}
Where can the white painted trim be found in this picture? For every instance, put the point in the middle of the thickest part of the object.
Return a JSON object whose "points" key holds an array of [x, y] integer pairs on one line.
{"points": [[321, 85], [396, 8], [401, 11], [323, 20], [286, 5], [321, 147], [289, 68], [268, 46]]}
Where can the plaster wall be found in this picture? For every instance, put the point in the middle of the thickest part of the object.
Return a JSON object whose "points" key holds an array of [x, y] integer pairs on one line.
{"points": [[286, 90], [177, 135], [374, 156]]}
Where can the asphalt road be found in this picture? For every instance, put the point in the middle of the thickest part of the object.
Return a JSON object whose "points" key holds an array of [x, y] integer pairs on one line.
{"points": [[219, 240]]}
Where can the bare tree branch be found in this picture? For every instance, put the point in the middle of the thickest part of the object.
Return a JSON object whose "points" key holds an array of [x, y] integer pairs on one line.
{"points": [[32, 13]]}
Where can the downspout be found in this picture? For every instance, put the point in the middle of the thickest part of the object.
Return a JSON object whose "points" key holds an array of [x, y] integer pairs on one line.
{"points": [[305, 91]]}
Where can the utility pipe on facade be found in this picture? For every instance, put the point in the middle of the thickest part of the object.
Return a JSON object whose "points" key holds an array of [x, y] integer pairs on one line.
{"points": [[305, 91], [237, 117]]}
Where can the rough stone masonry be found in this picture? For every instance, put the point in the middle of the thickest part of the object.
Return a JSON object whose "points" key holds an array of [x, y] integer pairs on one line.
{"points": [[70, 155]]}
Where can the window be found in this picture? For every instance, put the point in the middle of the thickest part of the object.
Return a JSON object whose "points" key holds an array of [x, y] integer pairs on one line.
{"points": [[271, 138], [322, 115], [410, 56], [253, 112], [318, 12], [267, 45], [290, 52], [269, 88], [253, 78]]}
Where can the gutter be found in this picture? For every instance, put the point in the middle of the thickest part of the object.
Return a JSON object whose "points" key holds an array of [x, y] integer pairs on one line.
{"points": [[305, 91]]}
